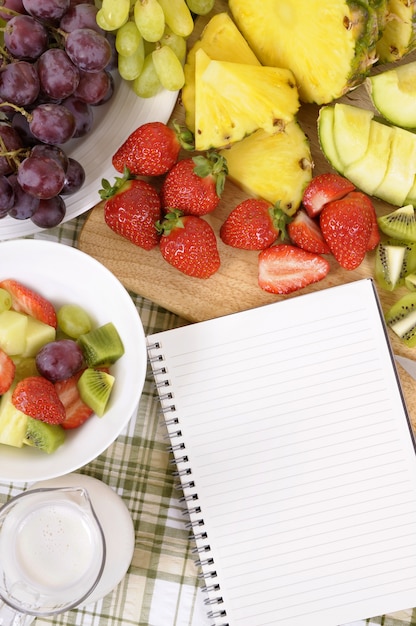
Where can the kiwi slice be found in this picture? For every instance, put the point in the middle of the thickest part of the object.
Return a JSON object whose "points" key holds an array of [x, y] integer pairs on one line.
{"points": [[410, 282], [101, 346], [95, 387], [400, 223], [394, 260], [46, 437], [401, 318]]}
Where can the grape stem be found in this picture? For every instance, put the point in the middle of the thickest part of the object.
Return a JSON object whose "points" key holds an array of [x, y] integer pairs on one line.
{"points": [[27, 115]]}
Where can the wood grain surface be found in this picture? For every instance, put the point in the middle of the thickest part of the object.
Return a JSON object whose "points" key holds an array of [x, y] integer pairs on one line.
{"points": [[234, 287]]}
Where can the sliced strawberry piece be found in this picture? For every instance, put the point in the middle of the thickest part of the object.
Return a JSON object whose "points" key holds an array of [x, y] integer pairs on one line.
{"points": [[305, 233], [37, 397], [25, 300], [323, 189], [285, 268], [77, 412], [369, 206], [7, 370]]}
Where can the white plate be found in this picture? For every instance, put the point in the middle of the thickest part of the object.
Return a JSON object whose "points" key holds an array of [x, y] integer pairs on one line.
{"points": [[113, 122], [64, 274]]}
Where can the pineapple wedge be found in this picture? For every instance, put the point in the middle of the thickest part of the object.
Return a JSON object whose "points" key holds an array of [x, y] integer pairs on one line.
{"points": [[276, 167], [233, 100], [399, 34], [329, 46], [222, 41]]}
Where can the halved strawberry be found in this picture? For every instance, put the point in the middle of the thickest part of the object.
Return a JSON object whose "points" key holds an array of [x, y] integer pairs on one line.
{"points": [[37, 397], [305, 233], [7, 370], [322, 189], [26, 300], [369, 206], [77, 412], [285, 268]]}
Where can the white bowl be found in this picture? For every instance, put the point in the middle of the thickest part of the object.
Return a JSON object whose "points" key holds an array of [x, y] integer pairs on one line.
{"points": [[64, 274]]}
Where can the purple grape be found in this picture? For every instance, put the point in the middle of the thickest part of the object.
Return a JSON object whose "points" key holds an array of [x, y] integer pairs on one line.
{"points": [[74, 177], [12, 5], [21, 124], [10, 142], [6, 196], [57, 74], [52, 123], [41, 176], [109, 94], [25, 37], [48, 10], [19, 83], [93, 86], [88, 50], [24, 204], [60, 359], [53, 152], [81, 15], [49, 213], [82, 113]]}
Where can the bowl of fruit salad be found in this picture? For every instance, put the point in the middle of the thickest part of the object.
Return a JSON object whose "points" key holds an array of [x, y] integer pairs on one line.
{"points": [[72, 359]]}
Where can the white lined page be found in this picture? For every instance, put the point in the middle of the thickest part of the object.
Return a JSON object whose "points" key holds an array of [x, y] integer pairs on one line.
{"points": [[302, 458]]}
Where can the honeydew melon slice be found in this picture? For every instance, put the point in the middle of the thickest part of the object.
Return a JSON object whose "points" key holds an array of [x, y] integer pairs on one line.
{"points": [[326, 137], [411, 196], [37, 334], [13, 326], [401, 168], [351, 132], [13, 423], [393, 93]]}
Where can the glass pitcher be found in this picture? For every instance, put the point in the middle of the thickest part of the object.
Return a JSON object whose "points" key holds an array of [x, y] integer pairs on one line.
{"points": [[52, 553]]}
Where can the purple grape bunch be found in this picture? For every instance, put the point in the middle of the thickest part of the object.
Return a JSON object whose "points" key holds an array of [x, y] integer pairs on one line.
{"points": [[55, 67]]}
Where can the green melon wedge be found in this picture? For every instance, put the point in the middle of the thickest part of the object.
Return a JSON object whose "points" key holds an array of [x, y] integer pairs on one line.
{"points": [[352, 127], [401, 168], [393, 94], [326, 137]]}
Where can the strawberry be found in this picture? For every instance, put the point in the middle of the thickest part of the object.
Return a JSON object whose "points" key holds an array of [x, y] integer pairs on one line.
{"points": [[37, 397], [77, 412], [305, 233], [152, 149], [188, 243], [346, 225], [195, 185], [7, 370], [254, 224], [366, 201], [25, 300], [285, 268], [132, 209], [323, 189]]}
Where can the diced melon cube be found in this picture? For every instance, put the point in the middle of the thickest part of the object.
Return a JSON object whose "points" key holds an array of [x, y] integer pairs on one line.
{"points": [[37, 334], [13, 326], [13, 423]]}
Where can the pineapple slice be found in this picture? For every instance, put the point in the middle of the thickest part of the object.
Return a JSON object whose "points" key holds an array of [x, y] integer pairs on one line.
{"points": [[233, 100], [222, 41], [393, 94], [276, 167], [399, 34], [329, 46]]}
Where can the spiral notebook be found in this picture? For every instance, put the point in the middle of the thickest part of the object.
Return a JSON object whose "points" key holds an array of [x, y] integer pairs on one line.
{"points": [[296, 458]]}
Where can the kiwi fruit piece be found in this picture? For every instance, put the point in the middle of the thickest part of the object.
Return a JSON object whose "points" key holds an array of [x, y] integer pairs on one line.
{"points": [[46, 437], [410, 282], [95, 387], [401, 318], [101, 346], [400, 223], [394, 261]]}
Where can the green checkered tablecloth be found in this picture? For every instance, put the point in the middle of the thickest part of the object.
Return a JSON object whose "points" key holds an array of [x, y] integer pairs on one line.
{"points": [[161, 587]]}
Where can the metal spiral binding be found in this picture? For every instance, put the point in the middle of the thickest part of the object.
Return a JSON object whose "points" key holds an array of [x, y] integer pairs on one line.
{"points": [[189, 488]]}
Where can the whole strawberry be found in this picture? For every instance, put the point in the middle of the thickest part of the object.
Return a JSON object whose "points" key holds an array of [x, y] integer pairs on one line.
{"points": [[195, 185], [346, 225], [254, 224], [152, 149], [132, 209], [188, 243]]}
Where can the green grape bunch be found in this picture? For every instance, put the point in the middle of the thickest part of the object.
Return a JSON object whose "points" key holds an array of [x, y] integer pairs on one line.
{"points": [[150, 39]]}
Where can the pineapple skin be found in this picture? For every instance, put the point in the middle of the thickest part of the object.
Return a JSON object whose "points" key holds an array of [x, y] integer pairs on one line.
{"points": [[328, 44], [276, 167]]}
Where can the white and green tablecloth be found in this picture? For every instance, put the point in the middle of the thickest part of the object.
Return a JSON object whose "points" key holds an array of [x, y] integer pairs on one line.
{"points": [[161, 587]]}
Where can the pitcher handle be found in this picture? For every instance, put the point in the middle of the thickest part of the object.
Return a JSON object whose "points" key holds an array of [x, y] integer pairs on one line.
{"points": [[10, 617]]}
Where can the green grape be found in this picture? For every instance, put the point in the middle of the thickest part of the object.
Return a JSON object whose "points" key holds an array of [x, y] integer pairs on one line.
{"points": [[102, 22], [200, 7], [150, 19], [115, 12], [177, 43], [73, 320], [147, 84], [128, 39], [178, 17], [5, 300], [130, 67], [168, 68]]}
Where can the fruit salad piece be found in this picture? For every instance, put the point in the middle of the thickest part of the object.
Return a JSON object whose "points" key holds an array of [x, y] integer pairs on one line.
{"points": [[26, 300], [95, 388], [101, 346], [36, 397]]}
